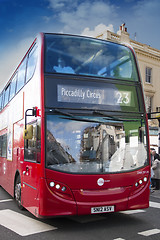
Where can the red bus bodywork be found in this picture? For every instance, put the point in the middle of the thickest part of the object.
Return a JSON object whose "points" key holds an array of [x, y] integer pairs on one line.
{"points": [[82, 192]]}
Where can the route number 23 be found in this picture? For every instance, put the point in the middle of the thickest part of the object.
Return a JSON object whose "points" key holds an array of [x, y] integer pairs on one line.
{"points": [[123, 97]]}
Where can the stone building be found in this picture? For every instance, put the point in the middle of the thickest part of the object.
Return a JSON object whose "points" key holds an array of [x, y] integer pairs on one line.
{"points": [[149, 64]]}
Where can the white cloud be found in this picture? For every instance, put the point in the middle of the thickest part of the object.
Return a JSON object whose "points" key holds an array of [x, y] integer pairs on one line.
{"points": [[62, 4], [90, 18], [141, 17], [75, 16], [147, 8], [46, 19], [145, 22], [99, 29]]}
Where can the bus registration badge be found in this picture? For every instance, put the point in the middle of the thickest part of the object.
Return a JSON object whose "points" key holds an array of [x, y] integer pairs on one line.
{"points": [[102, 209]]}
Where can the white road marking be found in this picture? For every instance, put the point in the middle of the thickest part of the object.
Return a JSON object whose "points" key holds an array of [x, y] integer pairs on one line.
{"points": [[151, 204], [25, 226], [92, 218], [150, 232], [154, 204], [118, 239], [132, 211], [21, 224], [6, 200]]}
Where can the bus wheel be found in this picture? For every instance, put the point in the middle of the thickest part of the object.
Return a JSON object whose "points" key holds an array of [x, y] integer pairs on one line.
{"points": [[17, 192]]}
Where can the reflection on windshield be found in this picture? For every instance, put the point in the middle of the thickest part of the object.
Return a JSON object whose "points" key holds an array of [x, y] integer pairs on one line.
{"points": [[86, 56], [90, 147]]}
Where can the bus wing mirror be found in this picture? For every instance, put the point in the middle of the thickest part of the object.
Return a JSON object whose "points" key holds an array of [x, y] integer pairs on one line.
{"points": [[28, 132], [30, 112]]}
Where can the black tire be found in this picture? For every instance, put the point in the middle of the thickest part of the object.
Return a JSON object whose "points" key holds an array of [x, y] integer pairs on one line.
{"points": [[17, 192]]}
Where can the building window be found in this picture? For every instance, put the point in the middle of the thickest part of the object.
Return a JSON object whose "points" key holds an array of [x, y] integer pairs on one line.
{"points": [[148, 101], [148, 74]]}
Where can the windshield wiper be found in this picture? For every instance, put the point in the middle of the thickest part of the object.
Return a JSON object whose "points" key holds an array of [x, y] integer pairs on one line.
{"points": [[72, 117], [109, 117], [95, 112], [63, 113]]}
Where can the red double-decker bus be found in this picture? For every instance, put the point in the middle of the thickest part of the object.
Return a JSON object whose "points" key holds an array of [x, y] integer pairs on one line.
{"points": [[73, 129]]}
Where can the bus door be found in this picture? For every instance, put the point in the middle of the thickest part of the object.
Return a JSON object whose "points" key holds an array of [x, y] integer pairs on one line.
{"points": [[31, 165]]}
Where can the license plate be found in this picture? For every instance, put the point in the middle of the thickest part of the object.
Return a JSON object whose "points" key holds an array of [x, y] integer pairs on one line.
{"points": [[102, 209]]}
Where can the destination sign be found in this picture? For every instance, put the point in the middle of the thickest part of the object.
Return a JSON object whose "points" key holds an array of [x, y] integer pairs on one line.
{"points": [[93, 95]]}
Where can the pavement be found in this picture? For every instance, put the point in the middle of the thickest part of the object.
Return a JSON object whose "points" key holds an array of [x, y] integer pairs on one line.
{"points": [[155, 193]]}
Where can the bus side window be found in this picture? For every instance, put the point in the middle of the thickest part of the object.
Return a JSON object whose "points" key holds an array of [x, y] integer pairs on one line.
{"points": [[32, 147], [21, 75], [3, 145], [31, 64], [2, 99], [0, 102], [13, 87], [6, 95], [0, 146]]}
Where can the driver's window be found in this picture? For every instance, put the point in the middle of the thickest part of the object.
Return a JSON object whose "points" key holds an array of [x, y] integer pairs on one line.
{"points": [[32, 147]]}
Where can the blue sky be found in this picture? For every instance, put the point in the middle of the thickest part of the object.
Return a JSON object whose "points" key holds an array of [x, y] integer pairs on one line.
{"points": [[21, 20]]}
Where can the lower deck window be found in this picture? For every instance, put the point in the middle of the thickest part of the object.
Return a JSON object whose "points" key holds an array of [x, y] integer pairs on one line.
{"points": [[32, 147], [3, 145]]}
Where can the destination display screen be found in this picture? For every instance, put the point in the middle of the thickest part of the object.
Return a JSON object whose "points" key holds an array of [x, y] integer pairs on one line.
{"points": [[94, 95], [78, 94]]}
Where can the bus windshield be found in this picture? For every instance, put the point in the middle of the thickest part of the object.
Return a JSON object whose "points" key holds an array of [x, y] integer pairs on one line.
{"points": [[95, 144], [89, 57]]}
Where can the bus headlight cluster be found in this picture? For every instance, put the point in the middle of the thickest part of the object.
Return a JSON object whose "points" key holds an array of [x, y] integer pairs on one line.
{"points": [[139, 185], [60, 189], [57, 186], [141, 181]]}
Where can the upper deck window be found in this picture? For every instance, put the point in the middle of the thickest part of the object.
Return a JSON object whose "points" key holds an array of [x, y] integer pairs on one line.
{"points": [[21, 75], [89, 57], [31, 64], [13, 87], [6, 96], [1, 102]]}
